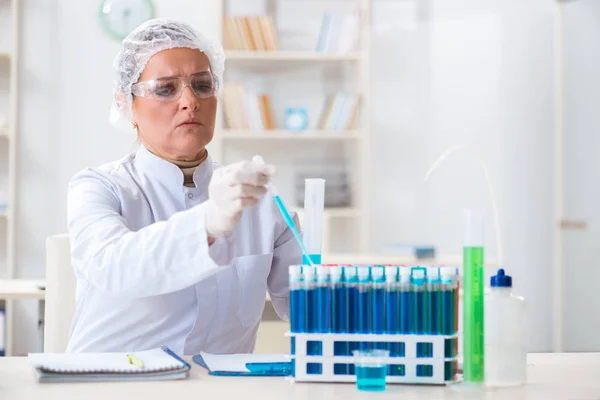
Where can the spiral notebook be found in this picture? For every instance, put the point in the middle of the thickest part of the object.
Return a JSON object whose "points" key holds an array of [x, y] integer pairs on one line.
{"points": [[148, 365]]}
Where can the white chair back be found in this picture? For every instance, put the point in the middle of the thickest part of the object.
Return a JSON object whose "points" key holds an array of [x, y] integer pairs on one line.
{"points": [[60, 294]]}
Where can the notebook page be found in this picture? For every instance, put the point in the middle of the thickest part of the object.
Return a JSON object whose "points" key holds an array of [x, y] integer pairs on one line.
{"points": [[237, 362], [154, 360]]}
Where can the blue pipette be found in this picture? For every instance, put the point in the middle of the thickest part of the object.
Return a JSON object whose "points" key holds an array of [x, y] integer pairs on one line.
{"points": [[286, 215]]}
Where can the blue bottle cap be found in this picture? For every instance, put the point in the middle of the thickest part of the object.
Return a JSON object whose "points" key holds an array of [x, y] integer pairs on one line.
{"points": [[501, 280]]}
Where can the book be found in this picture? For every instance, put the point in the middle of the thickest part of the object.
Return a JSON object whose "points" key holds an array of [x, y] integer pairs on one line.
{"points": [[147, 365], [339, 33]]}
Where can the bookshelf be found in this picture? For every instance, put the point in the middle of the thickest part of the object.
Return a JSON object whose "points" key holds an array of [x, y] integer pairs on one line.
{"points": [[9, 26], [257, 50]]}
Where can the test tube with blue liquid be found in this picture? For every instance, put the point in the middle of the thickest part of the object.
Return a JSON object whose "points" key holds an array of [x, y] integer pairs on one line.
{"points": [[418, 300], [312, 320], [449, 322], [324, 302], [404, 301], [351, 287], [340, 315], [297, 306], [312, 235], [364, 302], [434, 307], [392, 313], [378, 303]]}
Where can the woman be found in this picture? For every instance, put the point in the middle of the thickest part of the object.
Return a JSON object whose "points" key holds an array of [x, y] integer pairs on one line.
{"points": [[167, 248]]}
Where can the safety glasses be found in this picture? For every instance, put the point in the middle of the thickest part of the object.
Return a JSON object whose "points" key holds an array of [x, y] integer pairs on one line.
{"points": [[203, 84]]}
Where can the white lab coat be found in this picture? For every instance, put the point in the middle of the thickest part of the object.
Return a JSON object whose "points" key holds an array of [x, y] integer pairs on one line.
{"points": [[146, 276]]}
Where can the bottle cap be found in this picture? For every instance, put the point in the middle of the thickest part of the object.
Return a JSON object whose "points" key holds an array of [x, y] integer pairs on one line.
{"points": [[336, 273], [377, 273], [501, 280], [309, 272], [350, 273], [391, 274], [363, 272]]}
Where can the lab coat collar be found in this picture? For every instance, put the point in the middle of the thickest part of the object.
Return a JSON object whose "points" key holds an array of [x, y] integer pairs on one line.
{"points": [[170, 174]]}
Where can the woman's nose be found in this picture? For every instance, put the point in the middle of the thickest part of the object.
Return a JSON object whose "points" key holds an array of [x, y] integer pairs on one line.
{"points": [[188, 99]]}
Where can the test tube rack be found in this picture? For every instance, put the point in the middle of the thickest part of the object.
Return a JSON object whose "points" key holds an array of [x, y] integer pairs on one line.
{"points": [[409, 363]]}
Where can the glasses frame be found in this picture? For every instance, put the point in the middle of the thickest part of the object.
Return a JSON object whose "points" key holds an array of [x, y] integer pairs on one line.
{"points": [[145, 88]]}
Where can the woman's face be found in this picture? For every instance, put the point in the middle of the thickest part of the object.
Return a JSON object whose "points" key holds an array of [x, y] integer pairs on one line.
{"points": [[180, 129]]}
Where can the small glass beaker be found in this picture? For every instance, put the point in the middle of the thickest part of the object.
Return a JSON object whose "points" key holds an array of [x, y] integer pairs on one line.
{"points": [[371, 369]]}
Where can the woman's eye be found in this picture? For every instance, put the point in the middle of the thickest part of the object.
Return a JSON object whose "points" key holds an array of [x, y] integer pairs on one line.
{"points": [[165, 90], [202, 87]]}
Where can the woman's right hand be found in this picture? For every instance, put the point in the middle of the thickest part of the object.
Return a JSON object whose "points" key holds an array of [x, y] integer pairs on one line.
{"points": [[232, 189]]}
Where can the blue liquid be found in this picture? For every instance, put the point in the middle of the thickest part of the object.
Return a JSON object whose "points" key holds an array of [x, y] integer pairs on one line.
{"points": [[323, 309], [378, 314], [340, 325], [298, 310], [392, 323], [315, 258], [417, 309], [353, 320], [405, 298], [449, 310], [312, 326], [370, 378], [364, 313], [433, 311]]}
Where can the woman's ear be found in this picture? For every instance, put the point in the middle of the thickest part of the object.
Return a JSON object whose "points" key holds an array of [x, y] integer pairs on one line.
{"points": [[123, 106]]}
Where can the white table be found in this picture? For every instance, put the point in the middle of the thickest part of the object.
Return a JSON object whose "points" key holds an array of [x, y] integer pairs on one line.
{"points": [[551, 376], [22, 289]]}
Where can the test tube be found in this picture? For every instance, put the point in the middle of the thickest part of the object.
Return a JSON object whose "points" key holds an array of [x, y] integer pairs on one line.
{"points": [[364, 302], [378, 303], [434, 308], [473, 262], [351, 285], [297, 306], [404, 297], [339, 315], [392, 321], [418, 306], [449, 326], [312, 321], [314, 205], [323, 309]]}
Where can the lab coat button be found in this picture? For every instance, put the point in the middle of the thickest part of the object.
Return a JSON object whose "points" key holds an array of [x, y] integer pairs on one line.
{"points": [[190, 195]]}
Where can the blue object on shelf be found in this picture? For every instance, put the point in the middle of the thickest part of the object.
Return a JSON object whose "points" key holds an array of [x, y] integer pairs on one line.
{"points": [[296, 118]]}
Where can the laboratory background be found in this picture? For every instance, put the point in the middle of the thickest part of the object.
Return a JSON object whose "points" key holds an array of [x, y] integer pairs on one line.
{"points": [[367, 95]]}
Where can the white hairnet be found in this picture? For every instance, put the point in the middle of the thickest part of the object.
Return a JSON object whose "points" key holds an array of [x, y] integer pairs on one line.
{"points": [[146, 40]]}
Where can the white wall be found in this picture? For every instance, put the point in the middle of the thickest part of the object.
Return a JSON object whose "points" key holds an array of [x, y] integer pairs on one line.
{"points": [[582, 174], [476, 72], [444, 72]]}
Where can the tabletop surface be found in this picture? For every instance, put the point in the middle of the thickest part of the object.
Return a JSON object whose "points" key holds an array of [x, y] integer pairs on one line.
{"points": [[22, 289], [550, 376]]}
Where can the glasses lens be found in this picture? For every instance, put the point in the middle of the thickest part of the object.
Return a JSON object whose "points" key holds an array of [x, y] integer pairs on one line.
{"points": [[203, 85], [166, 89]]}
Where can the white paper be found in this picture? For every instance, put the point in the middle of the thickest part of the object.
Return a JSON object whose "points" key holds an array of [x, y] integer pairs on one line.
{"points": [[237, 362]]}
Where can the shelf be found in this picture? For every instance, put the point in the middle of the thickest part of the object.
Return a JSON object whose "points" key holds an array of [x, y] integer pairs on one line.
{"points": [[233, 55], [288, 135], [4, 54]]}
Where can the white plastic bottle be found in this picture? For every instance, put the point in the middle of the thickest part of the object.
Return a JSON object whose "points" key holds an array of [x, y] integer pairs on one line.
{"points": [[505, 334]]}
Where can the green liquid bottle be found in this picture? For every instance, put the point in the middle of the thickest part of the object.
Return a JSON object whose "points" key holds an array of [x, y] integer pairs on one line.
{"points": [[473, 319]]}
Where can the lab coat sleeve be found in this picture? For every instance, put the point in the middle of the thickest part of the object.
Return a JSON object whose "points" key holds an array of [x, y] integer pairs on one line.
{"points": [[286, 252], [160, 258]]}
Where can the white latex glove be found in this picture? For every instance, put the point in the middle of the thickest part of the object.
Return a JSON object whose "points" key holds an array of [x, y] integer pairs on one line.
{"points": [[232, 189]]}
